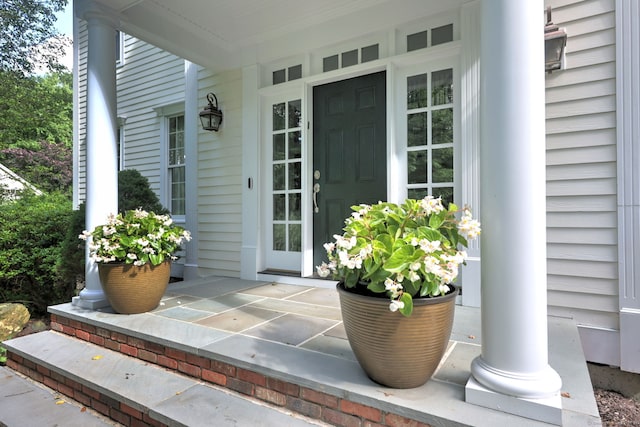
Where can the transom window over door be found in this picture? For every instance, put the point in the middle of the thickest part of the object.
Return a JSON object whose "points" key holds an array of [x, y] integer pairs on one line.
{"points": [[286, 174], [176, 165], [429, 124]]}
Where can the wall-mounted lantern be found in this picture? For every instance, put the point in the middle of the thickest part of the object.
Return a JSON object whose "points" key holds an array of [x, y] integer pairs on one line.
{"points": [[211, 116], [555, 40]]}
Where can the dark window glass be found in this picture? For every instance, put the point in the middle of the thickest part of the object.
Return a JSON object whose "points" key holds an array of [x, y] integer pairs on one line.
{"points": [[349, 58], [330, 63], [279, 77], [417, 41], [295, 72], [442, 34], [369, 53]]}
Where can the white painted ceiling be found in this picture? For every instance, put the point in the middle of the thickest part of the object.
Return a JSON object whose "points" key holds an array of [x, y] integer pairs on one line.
{"points": [[223, 34]]}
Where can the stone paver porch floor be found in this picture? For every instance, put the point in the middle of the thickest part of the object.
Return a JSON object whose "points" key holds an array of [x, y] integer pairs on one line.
{"points": [[295, 334]]}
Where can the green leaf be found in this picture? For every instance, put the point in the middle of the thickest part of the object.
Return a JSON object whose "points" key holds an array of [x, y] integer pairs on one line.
{"points": [[400, 259], [408, 304], [377, 287]]}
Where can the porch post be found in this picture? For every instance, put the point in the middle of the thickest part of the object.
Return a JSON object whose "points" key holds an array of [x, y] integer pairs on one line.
{"points": [[512, 373], [101, 154]]}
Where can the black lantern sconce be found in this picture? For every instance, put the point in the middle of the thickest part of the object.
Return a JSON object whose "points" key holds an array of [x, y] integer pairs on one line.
{"points": [[555, 40], [211, 116]]}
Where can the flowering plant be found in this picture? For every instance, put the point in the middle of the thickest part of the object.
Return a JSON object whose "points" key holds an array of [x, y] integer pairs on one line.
{"points": [[136, 237], [403, 251]]}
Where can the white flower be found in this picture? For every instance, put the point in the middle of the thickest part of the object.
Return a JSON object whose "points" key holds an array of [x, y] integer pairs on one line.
{"points": [[413, 276], [430, 246], [393, 287], [323, 270], [469, 227], [396, 305], [329, 247], [431, 205], [132, 256]]}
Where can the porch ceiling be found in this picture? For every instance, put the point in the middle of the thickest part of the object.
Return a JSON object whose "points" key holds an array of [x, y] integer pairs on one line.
{"points": [[223, 34]]}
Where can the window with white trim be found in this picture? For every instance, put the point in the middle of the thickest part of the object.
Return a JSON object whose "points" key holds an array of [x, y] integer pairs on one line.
{"points": [[429, 124], [176, 164], [287, 176]]}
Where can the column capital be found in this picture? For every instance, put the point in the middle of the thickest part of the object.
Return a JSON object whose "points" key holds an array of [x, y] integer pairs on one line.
{"points": [[90, 10]]}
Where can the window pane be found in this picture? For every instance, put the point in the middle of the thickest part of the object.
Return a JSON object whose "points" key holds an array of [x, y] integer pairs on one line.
{"points": [[417, 166], [417, 91], [278, 116], [441, 35], [278, 77], [278, 176], [279, 237], [295, 113], [330, 63], [369, 53], [417, 129], [295, 146], [349, 58], [295, 72], [446, 193], [442, 130], [294, 207], [278, 146], [279, 210], [295, 176], [442, 87], [417, 41], [442, 166], [418, 193], [295, 232], [178, 190]]}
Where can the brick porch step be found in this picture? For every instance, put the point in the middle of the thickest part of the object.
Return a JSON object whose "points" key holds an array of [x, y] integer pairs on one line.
{"points": [[133, 392]]}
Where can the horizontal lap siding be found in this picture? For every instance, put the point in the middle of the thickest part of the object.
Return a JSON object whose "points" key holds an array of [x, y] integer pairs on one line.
{"points": [[150, 78], [220, 178], [581, 168]]}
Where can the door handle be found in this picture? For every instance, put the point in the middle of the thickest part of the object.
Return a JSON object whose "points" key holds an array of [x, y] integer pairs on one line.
{"points": [[316, 190]]}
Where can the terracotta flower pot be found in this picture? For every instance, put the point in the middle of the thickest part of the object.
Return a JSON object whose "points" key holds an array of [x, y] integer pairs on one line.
{"points": [[134, 289], [394, 350]]}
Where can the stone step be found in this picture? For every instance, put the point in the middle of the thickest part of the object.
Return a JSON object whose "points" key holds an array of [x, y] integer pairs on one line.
{"points": [[133, 392]]}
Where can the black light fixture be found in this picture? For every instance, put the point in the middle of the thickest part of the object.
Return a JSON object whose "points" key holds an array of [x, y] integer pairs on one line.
{"points": [[211, 116], [555, 40]]}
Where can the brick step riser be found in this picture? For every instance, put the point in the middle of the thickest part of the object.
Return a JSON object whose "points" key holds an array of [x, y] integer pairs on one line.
{"points": [[87, 396], [297, 398]]}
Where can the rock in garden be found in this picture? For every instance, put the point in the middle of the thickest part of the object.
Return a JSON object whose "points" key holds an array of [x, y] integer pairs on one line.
{"points": [[13, 318]]}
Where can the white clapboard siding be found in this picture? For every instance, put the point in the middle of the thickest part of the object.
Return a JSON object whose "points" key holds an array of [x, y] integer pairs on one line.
{"points": [[150, 78], [220, 179], [581, 168]]}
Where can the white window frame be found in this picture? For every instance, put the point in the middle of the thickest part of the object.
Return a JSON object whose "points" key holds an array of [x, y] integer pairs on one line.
{"points": [[281, 260], [164, 113]]}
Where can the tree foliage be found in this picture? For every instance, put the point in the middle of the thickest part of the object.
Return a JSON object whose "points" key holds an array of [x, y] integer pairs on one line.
{"points": [[34, 109], [36, 128], [28, 39], [31, 236], [48, 168]]}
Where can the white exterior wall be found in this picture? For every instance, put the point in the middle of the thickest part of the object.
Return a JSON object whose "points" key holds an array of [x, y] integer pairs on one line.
{"points": [[581, 177], [220, 178], [149, 80]]}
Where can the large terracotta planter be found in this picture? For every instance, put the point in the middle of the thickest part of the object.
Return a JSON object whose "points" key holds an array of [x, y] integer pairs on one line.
{"points": [[394, 350], [134, 289]]}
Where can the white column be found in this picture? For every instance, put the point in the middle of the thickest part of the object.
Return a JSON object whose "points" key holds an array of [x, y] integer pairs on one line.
{"points": [[101, 162], [512, 374], [628, 106], [191, 128]]}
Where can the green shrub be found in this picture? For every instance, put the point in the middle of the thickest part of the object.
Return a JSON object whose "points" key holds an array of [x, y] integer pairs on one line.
{"points": [[31, 236], [135, 192]]}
